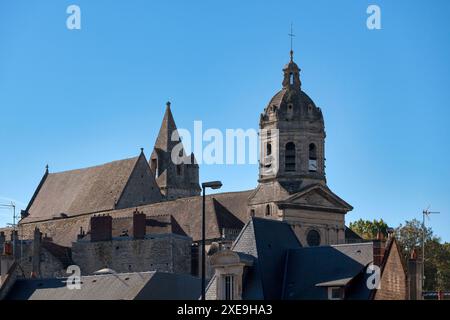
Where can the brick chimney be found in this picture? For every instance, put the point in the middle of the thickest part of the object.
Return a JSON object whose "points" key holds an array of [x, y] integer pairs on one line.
{"points": [[379, 248], [414, 277], [101, 228], [36, 254], [138, 225]]}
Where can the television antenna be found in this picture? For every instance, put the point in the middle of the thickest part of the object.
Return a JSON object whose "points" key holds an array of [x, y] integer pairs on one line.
{"points": [[425, 213]]}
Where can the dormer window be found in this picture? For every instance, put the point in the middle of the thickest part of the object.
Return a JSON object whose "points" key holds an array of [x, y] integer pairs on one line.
{"points": [[335, 293]]}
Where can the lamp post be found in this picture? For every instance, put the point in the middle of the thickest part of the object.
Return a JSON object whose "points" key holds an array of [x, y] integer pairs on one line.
{"points": [[212, 185]]}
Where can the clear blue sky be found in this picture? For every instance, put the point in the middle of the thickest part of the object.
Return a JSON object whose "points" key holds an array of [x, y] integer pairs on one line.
{"points": [[79, 98]]}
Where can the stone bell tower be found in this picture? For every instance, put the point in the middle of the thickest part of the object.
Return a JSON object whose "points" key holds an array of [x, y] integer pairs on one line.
{"points": [[292, 136], [291, 185]]}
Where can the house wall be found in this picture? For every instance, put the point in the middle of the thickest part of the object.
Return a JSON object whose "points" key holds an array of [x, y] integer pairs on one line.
{"points": [[166, 253], [393, 278]]}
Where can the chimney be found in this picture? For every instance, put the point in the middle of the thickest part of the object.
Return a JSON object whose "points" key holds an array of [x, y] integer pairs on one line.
{"points": [[414, 277], [101, 228], [379, 248], [36, 260], [15, 243], [138, 225], [2, 241]]}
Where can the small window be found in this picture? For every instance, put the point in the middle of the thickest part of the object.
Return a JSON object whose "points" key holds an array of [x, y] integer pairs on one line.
{"points": [[269, 149], [154, 167], [335, 293], [312, 164], [179, 170], [291, 78], [313, 238], [289, 157], [252, 212], [229, 286], [268, 210]]}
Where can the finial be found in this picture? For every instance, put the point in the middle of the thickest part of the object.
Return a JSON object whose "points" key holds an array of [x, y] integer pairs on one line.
{"points": [[292, 35], [142, 150], [168, 104], [46, 168]]}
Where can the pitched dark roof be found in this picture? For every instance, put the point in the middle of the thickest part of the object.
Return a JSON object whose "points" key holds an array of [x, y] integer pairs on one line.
{"points": [[311, 269], [267, 241], [63, 254], [351, 236], [123, 286], [81, 191], [223, 210], [164, 140]]}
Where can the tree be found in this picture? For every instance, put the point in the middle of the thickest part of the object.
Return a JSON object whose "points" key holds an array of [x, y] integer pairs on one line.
{"points": [[368, 230], [437, 256]]}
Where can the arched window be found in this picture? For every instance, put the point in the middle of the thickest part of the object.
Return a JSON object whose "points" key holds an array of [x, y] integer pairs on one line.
{"points": [[289, 157], [291, 78], [268, 156], [312, 164], [267, 210]]}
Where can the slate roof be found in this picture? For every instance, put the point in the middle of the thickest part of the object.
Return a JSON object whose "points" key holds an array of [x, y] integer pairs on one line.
{"points": [[223, 210], [123, 286], [268, 242], [81, 191], [283, 269], [310, 269]]}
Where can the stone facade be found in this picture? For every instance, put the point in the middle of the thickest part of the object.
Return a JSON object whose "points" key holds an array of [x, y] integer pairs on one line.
{"points": [[165, 252], [175, 179], [141, 187], [292, 160]]}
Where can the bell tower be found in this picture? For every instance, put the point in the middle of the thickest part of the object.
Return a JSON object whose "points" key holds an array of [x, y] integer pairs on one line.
{"points": [[292, 149], [292, 186]]}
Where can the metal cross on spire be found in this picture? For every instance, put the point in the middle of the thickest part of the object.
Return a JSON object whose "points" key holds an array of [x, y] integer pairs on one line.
{"points": [[292, 35]]}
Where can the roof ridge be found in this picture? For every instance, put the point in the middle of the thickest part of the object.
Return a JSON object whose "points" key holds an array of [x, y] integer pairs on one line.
{"points": [[95, 166]]}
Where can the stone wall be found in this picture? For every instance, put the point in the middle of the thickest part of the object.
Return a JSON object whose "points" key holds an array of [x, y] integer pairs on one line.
{"points": [[165, 253], [50, 266]]}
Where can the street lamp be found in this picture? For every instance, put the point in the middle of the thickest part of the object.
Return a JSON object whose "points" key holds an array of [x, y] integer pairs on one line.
{"points": [[213, 185]]}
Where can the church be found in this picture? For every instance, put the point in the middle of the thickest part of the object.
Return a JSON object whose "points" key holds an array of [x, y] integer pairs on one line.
{"points": [[285, 239]]}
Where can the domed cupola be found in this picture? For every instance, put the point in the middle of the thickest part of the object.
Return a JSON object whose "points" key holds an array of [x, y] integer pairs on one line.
{"points": [[292, 104], [299, 136]]}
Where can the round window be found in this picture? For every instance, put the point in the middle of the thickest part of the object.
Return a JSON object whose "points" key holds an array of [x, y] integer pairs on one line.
{"points": [[313, 238]]}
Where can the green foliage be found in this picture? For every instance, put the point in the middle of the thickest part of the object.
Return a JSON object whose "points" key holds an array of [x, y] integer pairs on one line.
{"points": [[409, 236], [369, 229], [437, 255]]}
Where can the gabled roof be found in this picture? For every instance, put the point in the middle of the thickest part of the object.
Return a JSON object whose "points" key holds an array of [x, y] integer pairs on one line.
{"points": [[82, 191], [316, 197], [122, 286]]}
